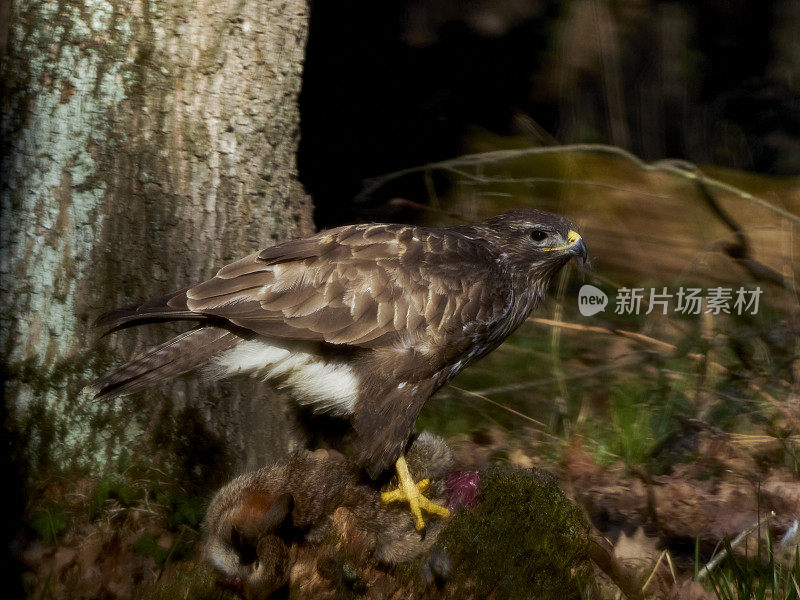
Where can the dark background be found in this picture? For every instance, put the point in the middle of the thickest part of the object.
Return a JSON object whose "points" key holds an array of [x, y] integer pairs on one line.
{"points": [[397, 84]]}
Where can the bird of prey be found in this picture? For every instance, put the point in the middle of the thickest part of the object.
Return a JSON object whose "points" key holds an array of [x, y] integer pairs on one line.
{"points": [[365, 322]]}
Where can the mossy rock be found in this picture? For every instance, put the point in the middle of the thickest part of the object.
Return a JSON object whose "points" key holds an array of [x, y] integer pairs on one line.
{"points": [[524, 540]]}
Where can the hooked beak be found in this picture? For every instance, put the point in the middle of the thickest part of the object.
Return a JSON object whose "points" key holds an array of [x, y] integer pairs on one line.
{"points": [[576, 245]]}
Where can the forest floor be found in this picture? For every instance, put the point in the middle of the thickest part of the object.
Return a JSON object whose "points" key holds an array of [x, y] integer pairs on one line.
{"points": [[701, 496]]}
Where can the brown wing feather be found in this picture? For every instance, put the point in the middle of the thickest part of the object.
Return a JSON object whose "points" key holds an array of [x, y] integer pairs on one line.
{"points": [[360, 285]]}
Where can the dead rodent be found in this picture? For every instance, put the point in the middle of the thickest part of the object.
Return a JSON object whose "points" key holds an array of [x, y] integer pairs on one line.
{"points": [[259, 525]]}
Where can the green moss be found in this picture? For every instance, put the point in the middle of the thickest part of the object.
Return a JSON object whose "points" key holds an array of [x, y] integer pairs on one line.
{"points": [[148, 546], [186, 510], [115, 487], [525, 540], [58, 428], [49, 524]]}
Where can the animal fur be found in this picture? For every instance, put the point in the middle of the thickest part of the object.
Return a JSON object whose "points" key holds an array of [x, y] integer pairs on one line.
{"points": [[265, 525]]}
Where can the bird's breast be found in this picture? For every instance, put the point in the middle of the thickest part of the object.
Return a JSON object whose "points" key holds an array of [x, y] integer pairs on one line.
{"points": [[484, 338]]}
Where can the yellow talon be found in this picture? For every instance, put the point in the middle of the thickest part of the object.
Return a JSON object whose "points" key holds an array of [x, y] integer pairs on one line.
{"points": [[408, 491]]}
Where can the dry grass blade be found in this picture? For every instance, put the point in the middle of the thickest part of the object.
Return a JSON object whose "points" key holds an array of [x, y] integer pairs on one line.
{"points": [[499, 405], [527, 385], [717, 558], [671, 568], [755, 441], [633, 335], [655, 568]]}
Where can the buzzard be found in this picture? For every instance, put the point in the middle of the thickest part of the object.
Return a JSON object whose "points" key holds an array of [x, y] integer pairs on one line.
{"points": [[365, 322]]}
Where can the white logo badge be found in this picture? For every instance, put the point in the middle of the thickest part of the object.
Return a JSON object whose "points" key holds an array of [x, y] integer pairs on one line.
{"points": [[591, 300]]}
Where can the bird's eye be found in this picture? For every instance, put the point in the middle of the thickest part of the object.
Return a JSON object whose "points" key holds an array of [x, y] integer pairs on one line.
{"points": [[537, 235]]}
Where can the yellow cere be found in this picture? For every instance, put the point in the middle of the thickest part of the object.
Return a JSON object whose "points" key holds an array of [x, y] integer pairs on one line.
{"points": [[572, 238]]}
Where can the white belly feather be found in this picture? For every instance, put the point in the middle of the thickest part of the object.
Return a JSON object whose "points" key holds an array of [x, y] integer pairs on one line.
{"points": [[330, 386]]}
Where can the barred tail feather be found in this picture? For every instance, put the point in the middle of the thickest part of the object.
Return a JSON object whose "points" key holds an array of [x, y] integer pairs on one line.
{"points": [[174, 357]]}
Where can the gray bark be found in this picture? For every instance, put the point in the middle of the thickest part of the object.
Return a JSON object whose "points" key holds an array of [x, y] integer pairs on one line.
{"points": [[148, 144]]}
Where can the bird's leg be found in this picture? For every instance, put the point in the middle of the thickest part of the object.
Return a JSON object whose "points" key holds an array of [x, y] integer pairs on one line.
{"points": [[408, 491]]}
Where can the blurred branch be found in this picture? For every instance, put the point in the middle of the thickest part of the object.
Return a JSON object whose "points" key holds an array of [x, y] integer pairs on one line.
{"points": [[680, 169], [555, 344], [740, 251], [483, 180], [397, 202]]}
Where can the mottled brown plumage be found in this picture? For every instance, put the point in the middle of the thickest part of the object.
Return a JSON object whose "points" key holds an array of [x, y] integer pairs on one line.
{"points": [[364, 321]]}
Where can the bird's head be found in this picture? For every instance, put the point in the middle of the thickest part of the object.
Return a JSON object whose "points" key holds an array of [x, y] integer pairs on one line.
{"points": [[535, 242]]}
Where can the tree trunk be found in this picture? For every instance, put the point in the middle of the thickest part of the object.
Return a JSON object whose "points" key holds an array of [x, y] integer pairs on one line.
{"points": [[148, 143]]}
